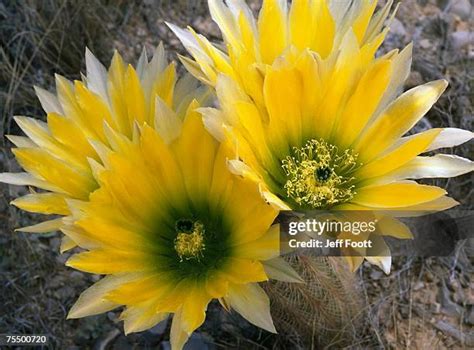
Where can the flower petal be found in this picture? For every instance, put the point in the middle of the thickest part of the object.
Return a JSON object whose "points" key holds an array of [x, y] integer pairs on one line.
{"points": [[399, 156], [96, 76], [178, 335], [141, 318], [106, 261], [397, 195], [264, 248], [43, 203], [244, 271], [280, 270], [66, 244], [26, 179], [438, 166], [398, 118], [450, 137], [42, 227], [390, 226], [272, 27], [49, 101], [252, 303], [92, 301]]}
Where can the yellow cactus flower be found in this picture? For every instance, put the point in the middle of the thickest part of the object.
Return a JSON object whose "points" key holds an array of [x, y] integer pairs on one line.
{"points": [[316, 118], [61, 155], [320, 26], [173, 229]]}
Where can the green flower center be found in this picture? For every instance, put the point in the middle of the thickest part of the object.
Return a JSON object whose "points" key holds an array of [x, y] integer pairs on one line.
{"points": [[319, 175], [189, 243]]}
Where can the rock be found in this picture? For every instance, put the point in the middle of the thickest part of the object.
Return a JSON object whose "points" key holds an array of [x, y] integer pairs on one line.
{"points": [[376, 274], [104, 342], [397, 28], [160, 328], [122, 343], [76, 276], [462, 8], [62, 258], [418, 285], [165, 345], [469, 316], [425, 44], [435, 308], [461, 39], [414, 79], [196, 342], [448, 307], [112, 316]]}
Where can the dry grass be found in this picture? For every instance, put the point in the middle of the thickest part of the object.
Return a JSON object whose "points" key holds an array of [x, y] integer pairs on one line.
{"points": [[40, 38]]}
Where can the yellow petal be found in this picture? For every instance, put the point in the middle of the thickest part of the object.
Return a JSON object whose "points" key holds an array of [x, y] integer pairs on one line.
{"points": [[280, 270], [399, 117], [222, 182], [301, 24], [141, 318], [438, 204], [283, 99], [117, 92], [106, 261], [49, 101], [195, 151], [94, 112], [393, 227], [66, 244], [26, 179], [399, 156], [42, 227], [397, 195], [163, 164], [362, 21], [109, 233], [440, 165], [149, 286], [252, 303], [244, 271], [363, 103], [217, 284], [336, 86], [384, 261], [225, 20], [134, 97], [272, 29], [194, 308], [40, 163], [92, 301], [251, 216], [178, 335], [43, 203], [39, 133], [354, 262], [264, 248], [69, 134], [324, 33]]}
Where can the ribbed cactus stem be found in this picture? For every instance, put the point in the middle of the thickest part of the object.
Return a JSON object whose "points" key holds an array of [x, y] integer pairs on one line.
{"points": [[325, 311]]}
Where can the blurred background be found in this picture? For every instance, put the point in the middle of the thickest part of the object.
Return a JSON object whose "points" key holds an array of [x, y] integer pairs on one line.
{"points": [[423, 304]]}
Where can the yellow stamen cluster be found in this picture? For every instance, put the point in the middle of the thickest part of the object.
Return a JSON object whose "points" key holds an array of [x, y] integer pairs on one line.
{"points": [[318, 175], [190, 244]]}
